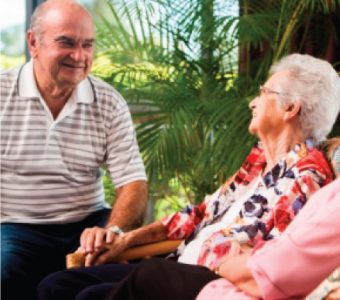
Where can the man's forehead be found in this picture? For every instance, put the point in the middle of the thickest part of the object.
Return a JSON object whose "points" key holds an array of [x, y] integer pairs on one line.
{"points": [[65, 7], [67, 19], [79, 30]]}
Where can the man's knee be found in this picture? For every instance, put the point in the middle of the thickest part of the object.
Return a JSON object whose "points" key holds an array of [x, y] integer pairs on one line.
{"points": [[15, 280], [13, 264]]}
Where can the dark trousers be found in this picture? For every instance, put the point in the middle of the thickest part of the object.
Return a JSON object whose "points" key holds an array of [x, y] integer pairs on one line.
{"points": [[159, 279], [30, 252], [92, 283]]}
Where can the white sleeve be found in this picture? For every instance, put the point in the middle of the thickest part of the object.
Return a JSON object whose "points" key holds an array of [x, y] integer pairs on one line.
{"points": [[123, 159]]}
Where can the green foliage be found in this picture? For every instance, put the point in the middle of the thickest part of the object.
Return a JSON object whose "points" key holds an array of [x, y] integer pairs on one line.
{"points": [[177, 63], [179, 91], [171, 197], [109, 189]]}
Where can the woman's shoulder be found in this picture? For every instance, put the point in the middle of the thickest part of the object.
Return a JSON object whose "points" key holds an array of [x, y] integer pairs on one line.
{"points": [[315, 163]]}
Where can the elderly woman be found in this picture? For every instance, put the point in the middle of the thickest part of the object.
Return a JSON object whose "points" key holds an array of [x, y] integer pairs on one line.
{"points": [[295, 109], [287, 267]]}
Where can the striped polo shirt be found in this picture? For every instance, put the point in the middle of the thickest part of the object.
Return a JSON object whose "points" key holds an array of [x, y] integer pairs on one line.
{"points": [[51, 169]]}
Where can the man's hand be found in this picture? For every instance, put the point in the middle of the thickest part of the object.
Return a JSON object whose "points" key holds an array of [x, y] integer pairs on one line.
{"points": [[107, 252], [101, 245], [94, 240]]}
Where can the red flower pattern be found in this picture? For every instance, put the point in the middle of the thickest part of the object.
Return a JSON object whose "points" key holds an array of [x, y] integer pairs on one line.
{"points": [[286, 189]]}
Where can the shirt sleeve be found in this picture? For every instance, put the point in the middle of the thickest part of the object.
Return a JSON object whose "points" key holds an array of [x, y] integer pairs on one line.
{"points": [[123, 160], [294, 264], [222, 289], [181, 224]]}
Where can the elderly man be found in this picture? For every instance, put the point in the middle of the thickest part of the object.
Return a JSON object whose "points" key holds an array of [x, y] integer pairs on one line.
{"points": [[296, 107], [58, 127]]}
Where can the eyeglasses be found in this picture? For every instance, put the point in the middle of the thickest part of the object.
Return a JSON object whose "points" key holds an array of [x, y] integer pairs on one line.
{"points": [[264, 90]]}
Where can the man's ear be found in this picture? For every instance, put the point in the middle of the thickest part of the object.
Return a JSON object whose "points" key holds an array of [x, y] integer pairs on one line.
{"points": [[292, 110], [32, 43]]}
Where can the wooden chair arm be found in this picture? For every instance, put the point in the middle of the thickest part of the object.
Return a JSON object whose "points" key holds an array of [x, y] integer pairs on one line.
{"points": [[149, 250], [76, 259]]}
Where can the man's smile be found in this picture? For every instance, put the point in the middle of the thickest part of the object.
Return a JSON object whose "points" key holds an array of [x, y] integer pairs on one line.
{"points": [[68, 65]]}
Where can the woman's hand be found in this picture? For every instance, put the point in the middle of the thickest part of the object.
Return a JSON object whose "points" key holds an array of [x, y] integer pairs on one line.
{"points": [[236, 249], [334, 294], [234, 269], [233, 266]]}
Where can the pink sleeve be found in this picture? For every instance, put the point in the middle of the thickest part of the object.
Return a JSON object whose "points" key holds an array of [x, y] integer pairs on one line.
{"points": [[309, 250], [222, 289]]}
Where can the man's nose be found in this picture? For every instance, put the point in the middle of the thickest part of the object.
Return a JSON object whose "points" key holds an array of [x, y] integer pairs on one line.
{"points": [[77, 54]]}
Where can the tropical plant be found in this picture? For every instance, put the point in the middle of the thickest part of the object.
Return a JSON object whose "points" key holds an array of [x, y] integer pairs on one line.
{"points": [[178, 80], [188, 69]]}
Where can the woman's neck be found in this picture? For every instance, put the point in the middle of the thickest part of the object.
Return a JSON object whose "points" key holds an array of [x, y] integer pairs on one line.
{"points": [[276, 147]]}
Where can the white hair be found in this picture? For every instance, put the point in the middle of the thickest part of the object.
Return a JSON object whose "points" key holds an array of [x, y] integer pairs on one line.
{"points": [[316, 85]]}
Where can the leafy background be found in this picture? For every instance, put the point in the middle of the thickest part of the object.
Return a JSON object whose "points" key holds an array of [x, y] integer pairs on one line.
{"points": [[188, 70]]}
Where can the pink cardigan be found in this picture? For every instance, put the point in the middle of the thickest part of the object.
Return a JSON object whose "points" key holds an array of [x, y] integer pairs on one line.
{"points": [[291, 266]]}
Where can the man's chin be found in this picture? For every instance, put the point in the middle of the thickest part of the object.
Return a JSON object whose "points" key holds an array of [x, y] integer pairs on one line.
{"points": [[73, 73], [72, 81]]}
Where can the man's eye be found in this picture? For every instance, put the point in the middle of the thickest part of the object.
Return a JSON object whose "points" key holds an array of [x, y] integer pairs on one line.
{"points": [[87, 45], [66, 44]]}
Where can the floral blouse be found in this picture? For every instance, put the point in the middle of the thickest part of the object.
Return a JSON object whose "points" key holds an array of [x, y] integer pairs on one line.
{"points": [[278, 197]]}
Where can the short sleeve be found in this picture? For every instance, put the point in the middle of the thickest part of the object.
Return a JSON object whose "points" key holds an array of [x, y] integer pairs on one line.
{"points": [[181, 224], [123, 160]]}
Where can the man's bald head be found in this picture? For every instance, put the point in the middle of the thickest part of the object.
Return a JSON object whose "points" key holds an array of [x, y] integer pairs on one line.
{"points": [[46, 8]]}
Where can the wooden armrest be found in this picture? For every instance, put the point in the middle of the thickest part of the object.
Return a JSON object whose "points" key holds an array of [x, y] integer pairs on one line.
{"points": [[148, 250], [76, 259]]}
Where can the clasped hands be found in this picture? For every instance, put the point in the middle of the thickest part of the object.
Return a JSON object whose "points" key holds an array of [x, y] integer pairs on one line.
{"points": [[100, 245], [234, 268], [234, 261]]}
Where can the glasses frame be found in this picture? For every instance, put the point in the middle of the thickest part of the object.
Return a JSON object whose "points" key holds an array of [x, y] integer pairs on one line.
{"points": [[266, 90]]}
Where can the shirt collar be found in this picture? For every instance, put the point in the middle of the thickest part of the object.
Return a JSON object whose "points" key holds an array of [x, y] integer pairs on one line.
{"points": [[84, 92], [284, 166], [256, 162]]}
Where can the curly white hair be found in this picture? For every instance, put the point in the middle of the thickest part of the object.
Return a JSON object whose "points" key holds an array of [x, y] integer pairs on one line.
{"points": [[316, 85]]}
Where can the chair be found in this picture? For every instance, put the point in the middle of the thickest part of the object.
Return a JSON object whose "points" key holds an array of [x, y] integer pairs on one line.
{"points": [[74, 260]]}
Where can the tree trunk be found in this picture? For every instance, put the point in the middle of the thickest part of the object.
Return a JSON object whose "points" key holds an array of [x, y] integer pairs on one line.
{"points": [[208, 62]]}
